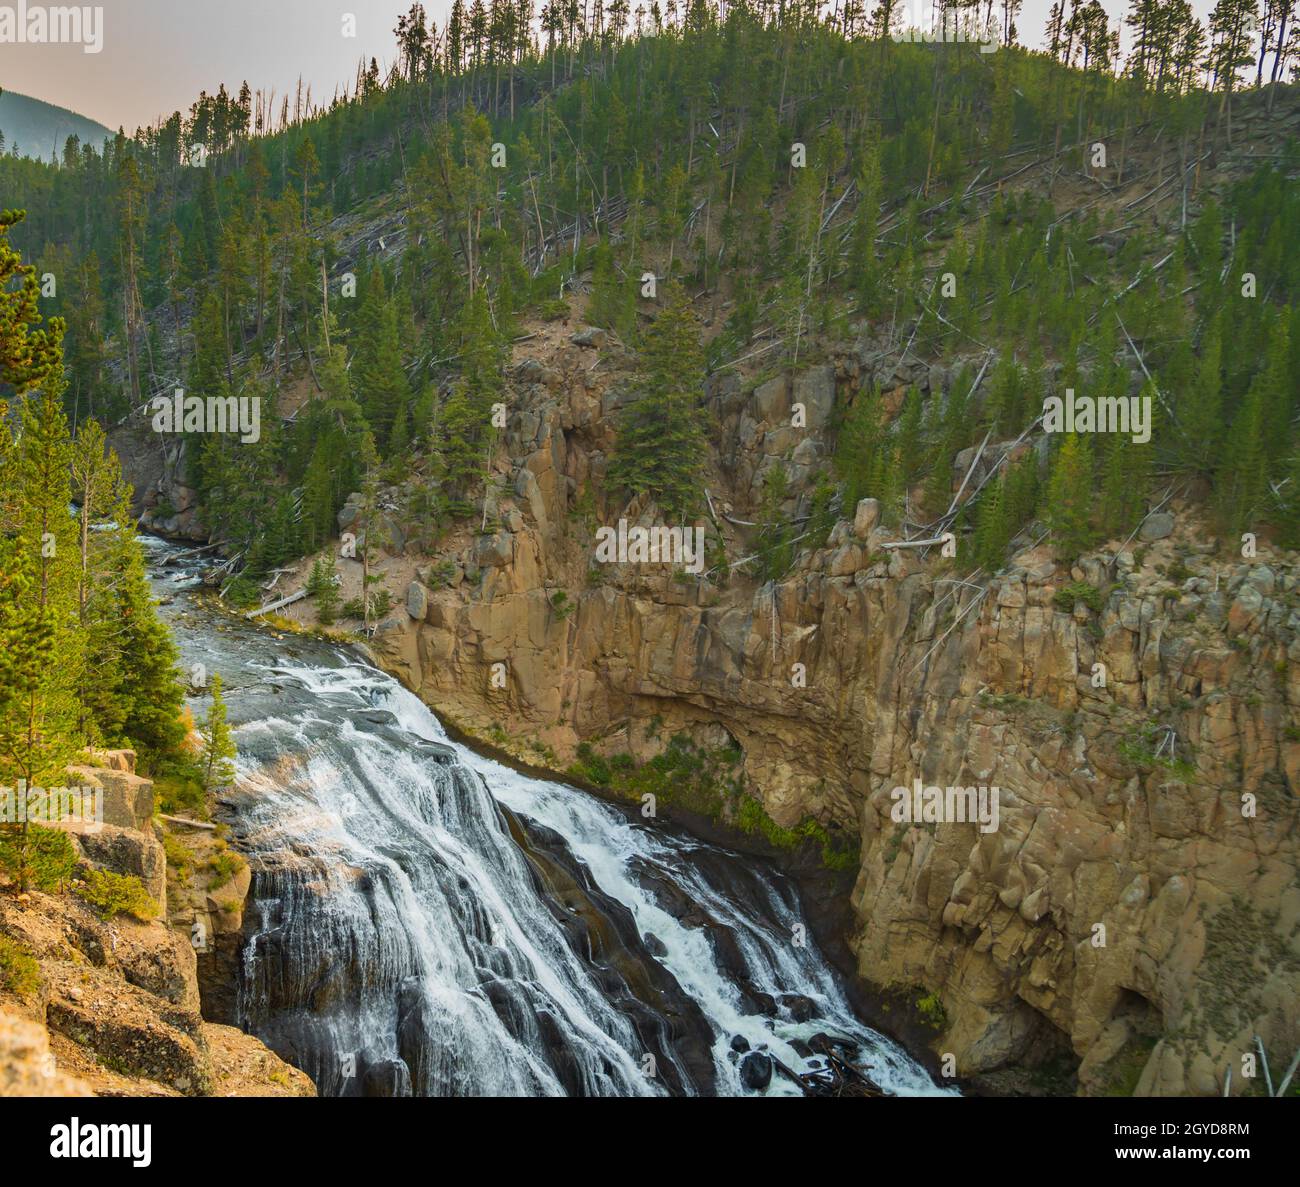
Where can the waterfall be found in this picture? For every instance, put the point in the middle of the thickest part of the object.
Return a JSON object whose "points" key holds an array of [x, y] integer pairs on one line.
{"points": [[427, 921]]}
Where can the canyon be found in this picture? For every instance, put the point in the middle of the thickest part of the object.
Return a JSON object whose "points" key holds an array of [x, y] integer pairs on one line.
{"points": [[1133, 923]]}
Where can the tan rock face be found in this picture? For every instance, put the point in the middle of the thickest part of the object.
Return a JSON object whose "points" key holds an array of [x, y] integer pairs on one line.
{"points": [[117, 1010], [1135, 914], [27, 1067]]}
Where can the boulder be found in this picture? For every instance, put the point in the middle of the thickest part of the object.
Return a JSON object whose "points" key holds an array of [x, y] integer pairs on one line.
{"points": [[417, 601], [592, 337], [866, 517], [756, 1071], [802, 1008], [127, 797], [27, 1067], [1157, 526], [127, 851]]}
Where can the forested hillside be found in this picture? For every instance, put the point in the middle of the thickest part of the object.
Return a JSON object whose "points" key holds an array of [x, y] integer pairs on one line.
{"points": [[787, 177], [84, 662]]}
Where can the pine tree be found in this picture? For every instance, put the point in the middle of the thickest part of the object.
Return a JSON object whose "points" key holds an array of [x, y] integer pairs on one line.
{"points": [[1242, 479], [911, 450], [992, 525], [660, 447], [1070, 498], [864, 264], [218, 742], [775, 536], [323, 586], [150, 692], [26, 650], [318, 496], [613, 301], [382, 379], [859, 449], [1200, 414]]}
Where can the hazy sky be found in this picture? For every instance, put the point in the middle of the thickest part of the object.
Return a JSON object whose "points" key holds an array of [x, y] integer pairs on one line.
{"points": [[158, 54]]}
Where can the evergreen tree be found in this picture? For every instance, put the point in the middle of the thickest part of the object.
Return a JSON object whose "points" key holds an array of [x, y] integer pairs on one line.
{"points": [[323, 586], [218, 742], [992, 525], [1070, 497], [660, 447], [613, 300], [1243, 479]]}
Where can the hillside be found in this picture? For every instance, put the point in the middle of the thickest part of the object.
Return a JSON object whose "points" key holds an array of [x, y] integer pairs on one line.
{"points": [[38, 129]]}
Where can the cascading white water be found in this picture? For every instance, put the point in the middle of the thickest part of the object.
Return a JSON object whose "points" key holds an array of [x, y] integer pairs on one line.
{"points": [[403, 944]]}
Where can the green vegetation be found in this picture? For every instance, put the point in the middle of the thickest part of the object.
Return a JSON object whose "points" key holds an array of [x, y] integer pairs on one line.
{"points": [[670, 145], [706, 781], [322, 584], [180, 857], [1079, 591], [661, 446], [560, 604], [117, 894], [84, 660], [838, 852], [930, 1010], [379, 603], [19, 972], [218, 742], [1143, 748], [682, 775], [223, 867], [37, 858], [179, 786]]}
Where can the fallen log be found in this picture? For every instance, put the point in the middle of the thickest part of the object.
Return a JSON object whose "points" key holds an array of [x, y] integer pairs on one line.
{"points": [[285, 601]]}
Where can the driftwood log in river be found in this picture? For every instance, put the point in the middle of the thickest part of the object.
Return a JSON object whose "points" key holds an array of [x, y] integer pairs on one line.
{"points": [[837, 1076]]}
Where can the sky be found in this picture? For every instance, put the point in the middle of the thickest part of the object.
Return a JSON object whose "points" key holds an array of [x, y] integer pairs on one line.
{"points": [[158, 54]]}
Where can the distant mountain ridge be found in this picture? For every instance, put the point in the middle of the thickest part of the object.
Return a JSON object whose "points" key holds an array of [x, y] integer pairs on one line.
{"points": [[39, 128]]}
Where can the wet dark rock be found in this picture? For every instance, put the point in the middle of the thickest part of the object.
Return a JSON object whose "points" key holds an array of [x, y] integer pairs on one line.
{"points": [[801, 1008], [756, 1071], [377, 717], [386, 1078], [739, 1043]]}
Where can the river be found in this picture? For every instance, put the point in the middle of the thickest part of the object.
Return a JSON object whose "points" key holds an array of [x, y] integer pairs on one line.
{"points": [[426, 921]]}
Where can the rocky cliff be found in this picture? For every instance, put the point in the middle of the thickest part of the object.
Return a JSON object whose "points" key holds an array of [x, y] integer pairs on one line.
{"points": [[110, 1005], [1133, 921]]}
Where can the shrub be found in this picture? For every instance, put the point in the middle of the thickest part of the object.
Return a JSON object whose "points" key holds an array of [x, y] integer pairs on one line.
{"points": [[224, 866], [381, 602], [179, 856], [441, 573], [117, 894], [180, 788], [1079, 591], [19, 972], [931, 1011]]}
